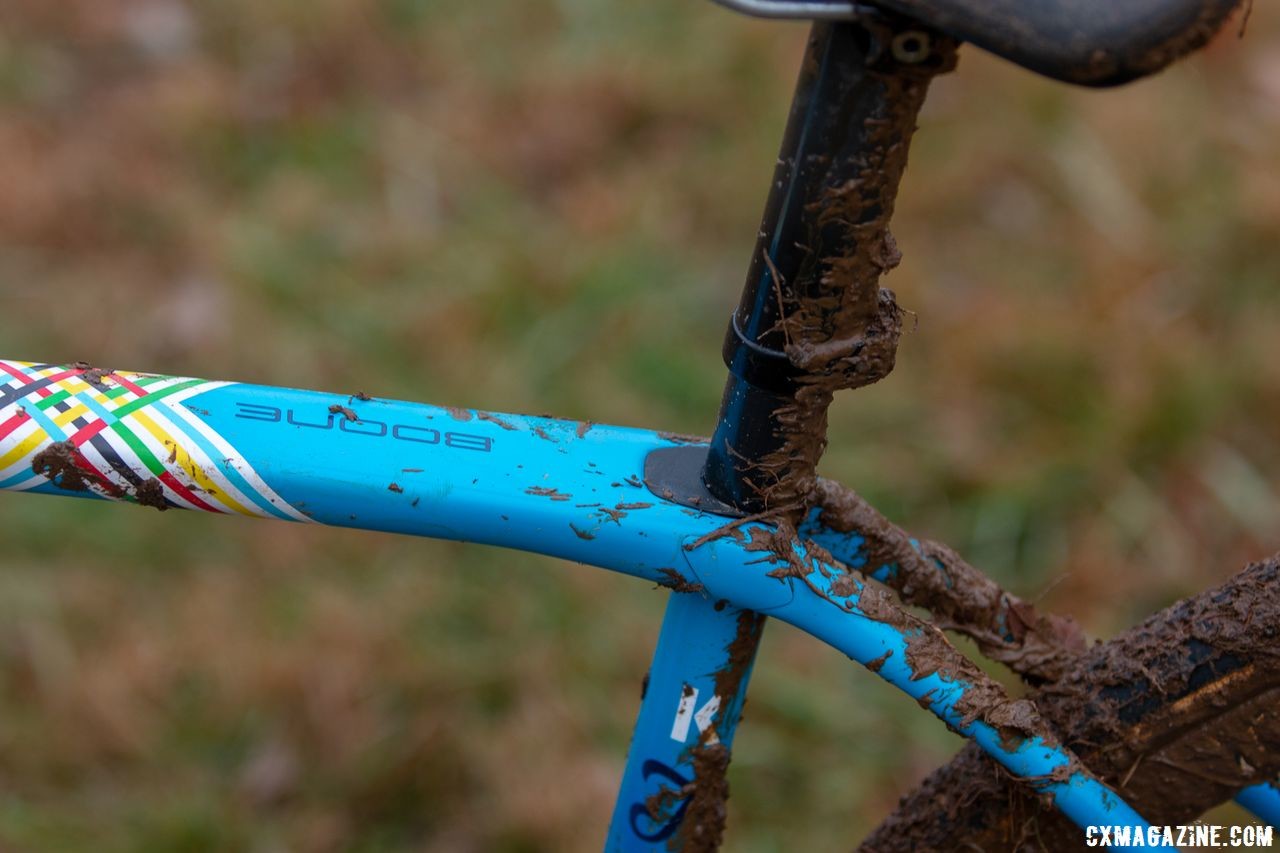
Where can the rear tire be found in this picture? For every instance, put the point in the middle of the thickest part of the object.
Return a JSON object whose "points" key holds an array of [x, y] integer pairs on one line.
{"points": [[1176, 715]]}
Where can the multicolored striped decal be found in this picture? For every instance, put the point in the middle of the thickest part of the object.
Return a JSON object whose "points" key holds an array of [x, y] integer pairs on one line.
{"points": [[123, 436]]}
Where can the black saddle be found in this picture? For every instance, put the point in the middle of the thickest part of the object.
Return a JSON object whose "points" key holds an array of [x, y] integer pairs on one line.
{"points": [[1090, 42]]}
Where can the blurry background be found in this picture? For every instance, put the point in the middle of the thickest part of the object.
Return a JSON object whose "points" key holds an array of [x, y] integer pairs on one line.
{"points": [[548, 206]]}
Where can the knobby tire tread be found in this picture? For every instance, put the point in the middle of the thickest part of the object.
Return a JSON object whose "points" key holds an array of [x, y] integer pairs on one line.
{"points": [[1175, 714]]}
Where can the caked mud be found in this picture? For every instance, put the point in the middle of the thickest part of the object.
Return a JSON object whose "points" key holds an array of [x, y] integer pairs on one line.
{"points": [[928, 574], [1176, 715]]}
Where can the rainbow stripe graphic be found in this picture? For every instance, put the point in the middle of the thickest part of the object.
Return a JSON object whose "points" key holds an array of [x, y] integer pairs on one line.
{"points": [[123, 436]]}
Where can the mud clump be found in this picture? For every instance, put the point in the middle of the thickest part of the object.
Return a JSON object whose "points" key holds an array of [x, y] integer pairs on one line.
{"points": [[61, 463], [677, 582], [742, 651], [548, 492], [1037, 646], [682, 438], [1176, 714], [864, 357], [876, 664], [703, 826], [151, 493], [1014, 721], [94, 376], [494, 419]]}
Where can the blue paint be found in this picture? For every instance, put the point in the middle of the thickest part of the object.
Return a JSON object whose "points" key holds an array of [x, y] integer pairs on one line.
{"points": [[534, 484], [1263, 800], [521, 482], [692, 648], [816, 609]]}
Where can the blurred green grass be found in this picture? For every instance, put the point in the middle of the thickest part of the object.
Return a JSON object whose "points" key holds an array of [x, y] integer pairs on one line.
{"points": [[548, 206]]}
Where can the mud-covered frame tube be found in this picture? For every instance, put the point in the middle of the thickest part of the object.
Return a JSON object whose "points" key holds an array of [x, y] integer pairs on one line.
{"points": [[568, 489]]}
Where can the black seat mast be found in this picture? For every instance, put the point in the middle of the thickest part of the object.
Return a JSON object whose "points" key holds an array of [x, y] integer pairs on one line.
{"points": [[1089, 42]]}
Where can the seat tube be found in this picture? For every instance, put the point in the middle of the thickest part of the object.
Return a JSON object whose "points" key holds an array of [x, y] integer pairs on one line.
{"points": [[673, 790], [812, 319]]}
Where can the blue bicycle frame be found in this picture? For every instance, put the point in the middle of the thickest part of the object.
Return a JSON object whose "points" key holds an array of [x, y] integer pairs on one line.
{"points": [[568, 489], [605, 496]]}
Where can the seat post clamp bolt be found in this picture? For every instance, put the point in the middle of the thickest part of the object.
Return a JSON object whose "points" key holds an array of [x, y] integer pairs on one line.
{"points": [[911, 47]]}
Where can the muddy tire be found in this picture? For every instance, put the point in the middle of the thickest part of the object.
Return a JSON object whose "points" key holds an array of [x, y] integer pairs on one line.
{"points": [[1176, 715]]}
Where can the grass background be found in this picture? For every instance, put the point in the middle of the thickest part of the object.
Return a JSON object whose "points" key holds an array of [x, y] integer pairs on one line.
{"points": [[548, 206]]}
